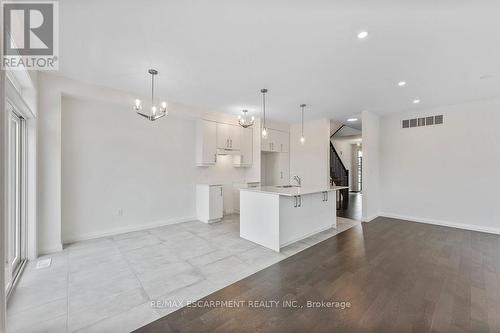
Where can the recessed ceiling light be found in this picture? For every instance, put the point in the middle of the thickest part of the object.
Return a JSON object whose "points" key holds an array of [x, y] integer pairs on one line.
{"points": [[416, 101], [363, 34], [352, 119], [402, 83]]}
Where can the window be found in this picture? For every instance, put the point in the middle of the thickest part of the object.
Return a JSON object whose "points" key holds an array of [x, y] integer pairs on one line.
{"points": [[15, 228]]}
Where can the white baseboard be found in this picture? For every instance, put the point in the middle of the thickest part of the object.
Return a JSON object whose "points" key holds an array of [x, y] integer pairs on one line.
{"points": [[443, 223], [50, 249], [122, 230]]}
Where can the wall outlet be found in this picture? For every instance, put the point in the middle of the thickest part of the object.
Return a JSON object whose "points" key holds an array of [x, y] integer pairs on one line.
{"points": [[120, 212]]}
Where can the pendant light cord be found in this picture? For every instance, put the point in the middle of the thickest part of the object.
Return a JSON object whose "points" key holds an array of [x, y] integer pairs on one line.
{"points": [[264, 107], [152, 89], [302, 121]]}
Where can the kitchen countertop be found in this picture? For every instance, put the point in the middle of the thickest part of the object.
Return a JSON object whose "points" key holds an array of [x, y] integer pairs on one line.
{"points": [[293, 191]]}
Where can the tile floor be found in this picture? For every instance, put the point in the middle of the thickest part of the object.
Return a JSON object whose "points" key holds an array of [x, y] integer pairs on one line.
{"points": [[109, 284]]}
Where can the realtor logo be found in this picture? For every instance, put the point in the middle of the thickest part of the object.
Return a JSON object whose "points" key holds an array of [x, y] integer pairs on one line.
{"points": [[30, 34]]}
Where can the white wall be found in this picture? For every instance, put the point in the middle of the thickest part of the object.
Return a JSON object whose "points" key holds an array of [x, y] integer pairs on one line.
{"points": [[371, 169], [311, 160], [113, 160], [446, 174]]}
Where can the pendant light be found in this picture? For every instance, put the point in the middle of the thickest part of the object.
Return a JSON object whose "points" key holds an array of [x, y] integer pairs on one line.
{"points": [[244, 121], [156, 112], [264, 128], [302, 138]]}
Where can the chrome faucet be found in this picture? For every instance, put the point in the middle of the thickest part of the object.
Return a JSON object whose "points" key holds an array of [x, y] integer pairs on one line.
{"points": [[298, 180]]}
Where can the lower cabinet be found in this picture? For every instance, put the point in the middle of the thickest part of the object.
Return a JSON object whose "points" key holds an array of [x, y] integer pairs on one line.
{"points": [[209, 203]]}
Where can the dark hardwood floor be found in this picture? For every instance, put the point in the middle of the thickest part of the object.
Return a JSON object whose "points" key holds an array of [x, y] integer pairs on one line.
{"points": [[353, 210], [397, 276]]}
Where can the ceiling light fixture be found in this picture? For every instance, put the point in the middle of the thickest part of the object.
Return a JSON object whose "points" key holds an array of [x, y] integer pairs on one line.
{"points": [[264, 128], [402, 83], [352, 120], [156, 112], [416, 101], [302, 138], [243, 119], [363, 35]]}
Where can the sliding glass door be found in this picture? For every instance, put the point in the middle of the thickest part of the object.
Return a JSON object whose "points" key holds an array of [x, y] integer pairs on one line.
{"points": [[15, 233]]}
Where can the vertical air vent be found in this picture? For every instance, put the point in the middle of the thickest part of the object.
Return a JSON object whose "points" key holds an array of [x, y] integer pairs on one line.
{"points": [[424, 121]]}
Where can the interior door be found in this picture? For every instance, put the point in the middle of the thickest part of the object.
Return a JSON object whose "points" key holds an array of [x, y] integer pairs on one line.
{"points": [[14, 228]]}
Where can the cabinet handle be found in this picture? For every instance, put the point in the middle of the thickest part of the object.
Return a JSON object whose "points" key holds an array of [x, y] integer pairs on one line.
{"points": [[215, 158], [300, 201], [281, 174], [295, 204], [221, 191], [231, 141], [326, 196], [227, 143]]}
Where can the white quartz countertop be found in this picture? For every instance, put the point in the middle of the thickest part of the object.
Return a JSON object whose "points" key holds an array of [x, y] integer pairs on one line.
{"points": [[293, 191]]}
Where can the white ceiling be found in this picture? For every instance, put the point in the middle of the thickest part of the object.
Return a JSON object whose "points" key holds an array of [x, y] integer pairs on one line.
{"points": [[216, 55]]}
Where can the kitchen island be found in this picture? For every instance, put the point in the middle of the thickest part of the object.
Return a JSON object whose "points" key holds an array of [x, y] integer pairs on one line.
{"points": [[276, 216]]}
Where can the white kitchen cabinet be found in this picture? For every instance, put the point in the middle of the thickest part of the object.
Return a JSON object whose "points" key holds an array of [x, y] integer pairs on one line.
{"points": [[245, 158], [281, 170], [235, 137], [269, 142], [275, 169], [228, 137], [282, 142], [209, 203], [206, 148], [276, 141]]}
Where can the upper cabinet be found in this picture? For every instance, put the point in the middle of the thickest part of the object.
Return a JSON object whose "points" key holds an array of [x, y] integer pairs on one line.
{"points": [[228, 137], [213, 138], [276, 141], [282, 141], [206, 146], [245, 158]]}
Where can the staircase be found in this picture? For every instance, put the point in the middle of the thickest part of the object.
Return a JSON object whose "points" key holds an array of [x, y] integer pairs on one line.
{"points": [[339, 175]]}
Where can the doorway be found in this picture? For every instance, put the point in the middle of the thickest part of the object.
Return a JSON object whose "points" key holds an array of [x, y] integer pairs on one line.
{"points": [[15, 226], [346, 165]]}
